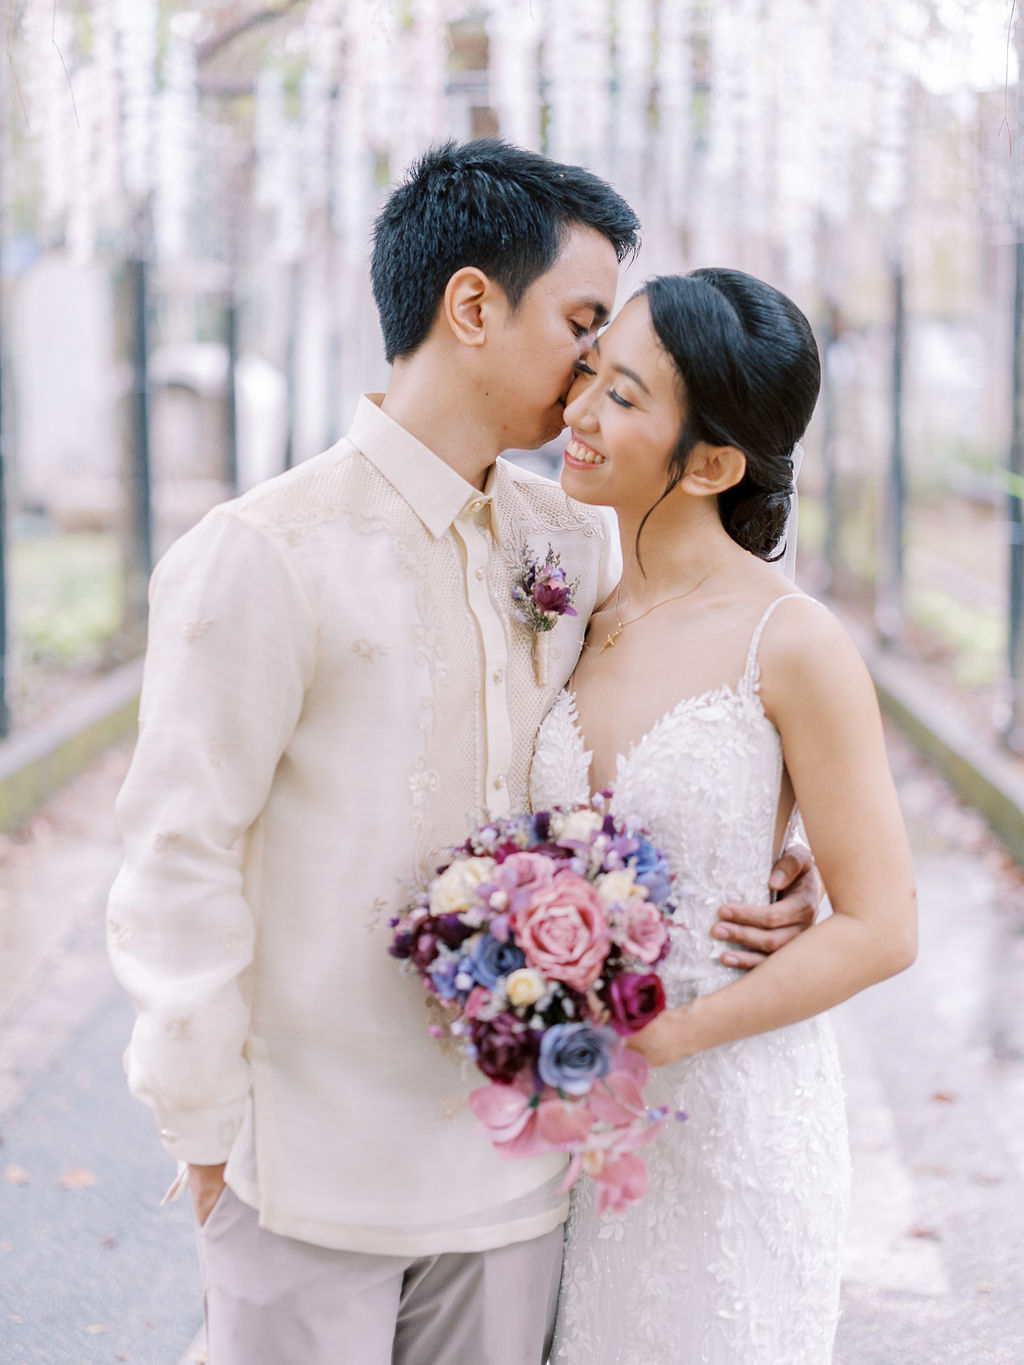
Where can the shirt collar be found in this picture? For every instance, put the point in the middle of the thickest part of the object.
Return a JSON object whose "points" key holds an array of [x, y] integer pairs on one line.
{"points": [[434, 491]]}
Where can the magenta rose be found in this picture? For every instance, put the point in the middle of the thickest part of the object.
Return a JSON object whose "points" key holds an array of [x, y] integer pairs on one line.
{"points": [[633, 1001], [563, 931], [645, 931]]}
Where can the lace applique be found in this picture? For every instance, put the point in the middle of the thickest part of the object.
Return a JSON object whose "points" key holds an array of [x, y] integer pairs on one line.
{"points": [[560, 772], [733, 1256]]}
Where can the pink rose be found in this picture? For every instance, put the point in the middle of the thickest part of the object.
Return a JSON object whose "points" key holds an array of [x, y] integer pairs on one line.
{"points": [[563, 931], [645, 931]]}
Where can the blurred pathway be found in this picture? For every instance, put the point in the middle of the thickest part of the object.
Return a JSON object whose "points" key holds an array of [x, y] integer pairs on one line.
{"points": [[92, 1270]]}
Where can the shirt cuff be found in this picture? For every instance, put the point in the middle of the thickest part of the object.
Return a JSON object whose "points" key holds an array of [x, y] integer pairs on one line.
{"points": [[201, 1137]]}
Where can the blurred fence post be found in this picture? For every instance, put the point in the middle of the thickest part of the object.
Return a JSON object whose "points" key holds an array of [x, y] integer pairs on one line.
{"points": [[291, 358], [138, 541], [1015, 511], [1014, 735], [830, 335], [231, 389], [889, 592], [5, 713]]}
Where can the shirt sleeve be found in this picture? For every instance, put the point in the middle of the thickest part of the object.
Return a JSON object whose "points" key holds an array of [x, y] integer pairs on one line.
{"points": [[231, 651]]}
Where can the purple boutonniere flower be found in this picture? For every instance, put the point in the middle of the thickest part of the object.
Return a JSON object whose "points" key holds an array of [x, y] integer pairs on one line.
{"points": [[540, 596]]}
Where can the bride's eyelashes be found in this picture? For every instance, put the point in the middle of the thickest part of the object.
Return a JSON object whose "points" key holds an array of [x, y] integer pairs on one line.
{"points": [[618, 398]]}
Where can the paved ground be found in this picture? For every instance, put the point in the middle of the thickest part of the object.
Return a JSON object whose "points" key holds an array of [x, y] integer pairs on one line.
{"points": [[92, 1270]]}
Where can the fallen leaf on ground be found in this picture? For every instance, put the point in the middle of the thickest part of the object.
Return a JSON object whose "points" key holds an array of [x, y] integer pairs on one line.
{"points": [[77, 1178], [16, 1175], [96, 1329], [944, 1096]]}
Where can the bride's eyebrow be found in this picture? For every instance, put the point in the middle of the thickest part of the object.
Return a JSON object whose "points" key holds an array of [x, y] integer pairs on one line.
{"points": [[622, 369]]}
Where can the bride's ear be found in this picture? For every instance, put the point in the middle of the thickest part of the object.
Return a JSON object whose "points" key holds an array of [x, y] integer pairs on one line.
{"points": [[711, 470]]}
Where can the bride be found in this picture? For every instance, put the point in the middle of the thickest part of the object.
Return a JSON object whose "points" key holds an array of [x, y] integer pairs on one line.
{"points": [[713, 699]]}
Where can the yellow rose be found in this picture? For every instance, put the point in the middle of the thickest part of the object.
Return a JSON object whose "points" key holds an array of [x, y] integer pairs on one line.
{"points": [[456, 888], [525, 986]]}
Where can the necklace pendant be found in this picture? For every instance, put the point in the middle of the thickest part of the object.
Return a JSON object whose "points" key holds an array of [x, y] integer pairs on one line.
{"points": [[610, 642]]}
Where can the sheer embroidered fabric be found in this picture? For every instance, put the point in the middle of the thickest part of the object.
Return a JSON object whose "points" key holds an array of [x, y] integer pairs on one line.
{"points": [[733, 1256]]}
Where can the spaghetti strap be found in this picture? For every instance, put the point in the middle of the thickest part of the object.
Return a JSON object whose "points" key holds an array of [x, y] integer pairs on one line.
{"points": [[750, 682]]}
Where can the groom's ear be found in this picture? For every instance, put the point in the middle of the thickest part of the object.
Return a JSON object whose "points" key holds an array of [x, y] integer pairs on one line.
{"points": [[467, 305], [711, 470]]}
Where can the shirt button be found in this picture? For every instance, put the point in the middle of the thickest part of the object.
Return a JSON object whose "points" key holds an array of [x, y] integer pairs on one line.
{"points": [[480, 574], [497, 675], [499, 781], [477, 506]]}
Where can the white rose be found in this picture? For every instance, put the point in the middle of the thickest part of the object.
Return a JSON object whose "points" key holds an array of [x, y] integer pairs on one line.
{"points": [[616, 886], [455, 890], [578, 824]]}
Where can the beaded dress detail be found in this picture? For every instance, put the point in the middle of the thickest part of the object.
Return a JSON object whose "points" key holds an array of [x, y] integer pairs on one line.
{"points": [[732, 1257]]}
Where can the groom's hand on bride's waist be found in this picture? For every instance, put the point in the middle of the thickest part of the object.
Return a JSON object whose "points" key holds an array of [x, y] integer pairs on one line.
{"points": [[755, 931]]}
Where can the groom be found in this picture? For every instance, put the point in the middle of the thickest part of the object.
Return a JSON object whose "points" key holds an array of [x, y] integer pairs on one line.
{"points": [[335, 690]]}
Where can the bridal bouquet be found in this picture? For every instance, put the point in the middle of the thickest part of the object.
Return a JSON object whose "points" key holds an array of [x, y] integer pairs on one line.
{"points": [[541, 936]]}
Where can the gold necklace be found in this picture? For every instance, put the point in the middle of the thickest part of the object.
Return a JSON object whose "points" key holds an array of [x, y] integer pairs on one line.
{"points": [[620, 625]]}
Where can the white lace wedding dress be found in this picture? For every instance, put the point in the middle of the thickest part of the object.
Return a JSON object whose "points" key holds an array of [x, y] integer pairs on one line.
{"points": [[732, 1258]]}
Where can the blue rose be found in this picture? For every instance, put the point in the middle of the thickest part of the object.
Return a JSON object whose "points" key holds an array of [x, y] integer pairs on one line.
{"points": [[491, 959], [574, 1056]]}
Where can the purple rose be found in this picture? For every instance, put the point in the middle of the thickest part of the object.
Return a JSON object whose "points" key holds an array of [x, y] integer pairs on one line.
{"points": [[504, 1047], [634, 999], [419, 941], [452, 932], [574, 1056]]}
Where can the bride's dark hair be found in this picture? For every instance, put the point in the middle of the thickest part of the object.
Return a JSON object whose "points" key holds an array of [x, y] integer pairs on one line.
{"points": [[749, 377]]}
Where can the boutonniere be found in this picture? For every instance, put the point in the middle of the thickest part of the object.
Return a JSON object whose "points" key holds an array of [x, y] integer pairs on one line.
{"points": [[540, 596]]}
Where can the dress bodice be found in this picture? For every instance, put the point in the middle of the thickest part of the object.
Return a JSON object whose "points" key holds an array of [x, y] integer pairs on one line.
{"points": [[733, 1256], [705, 782]]}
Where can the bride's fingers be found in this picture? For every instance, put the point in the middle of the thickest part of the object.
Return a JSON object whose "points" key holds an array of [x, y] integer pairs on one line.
{"points": [[793, 912], [757, 941]]}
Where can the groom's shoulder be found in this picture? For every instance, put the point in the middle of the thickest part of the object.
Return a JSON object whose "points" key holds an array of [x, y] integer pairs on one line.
{"points": [[316, 490], [527, 495]]}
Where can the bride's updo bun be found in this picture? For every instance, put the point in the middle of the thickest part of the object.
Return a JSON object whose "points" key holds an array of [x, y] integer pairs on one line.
{"points": [[749, 372]]}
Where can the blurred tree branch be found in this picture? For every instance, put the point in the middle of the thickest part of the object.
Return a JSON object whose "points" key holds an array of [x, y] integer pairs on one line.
{"points": [[207, 50]]}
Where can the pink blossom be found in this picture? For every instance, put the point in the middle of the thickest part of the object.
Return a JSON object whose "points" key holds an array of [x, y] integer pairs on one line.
{"points": [[620, 1182], [521, 874], [518, 1128], [563, 931]]}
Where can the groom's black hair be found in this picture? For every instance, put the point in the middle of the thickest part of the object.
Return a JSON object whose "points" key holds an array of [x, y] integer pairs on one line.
{"points": [[486, 204]]}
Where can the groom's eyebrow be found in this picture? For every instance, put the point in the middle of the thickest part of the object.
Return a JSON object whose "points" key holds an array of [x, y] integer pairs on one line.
{"points": [[623, 369], [599, 309]]}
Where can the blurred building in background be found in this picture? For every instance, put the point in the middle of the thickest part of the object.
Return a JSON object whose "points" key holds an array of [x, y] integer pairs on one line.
{"points": [[188, 192]]}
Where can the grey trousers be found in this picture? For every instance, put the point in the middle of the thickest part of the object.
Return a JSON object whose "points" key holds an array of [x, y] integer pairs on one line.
{"points": [[271, 1300]]}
